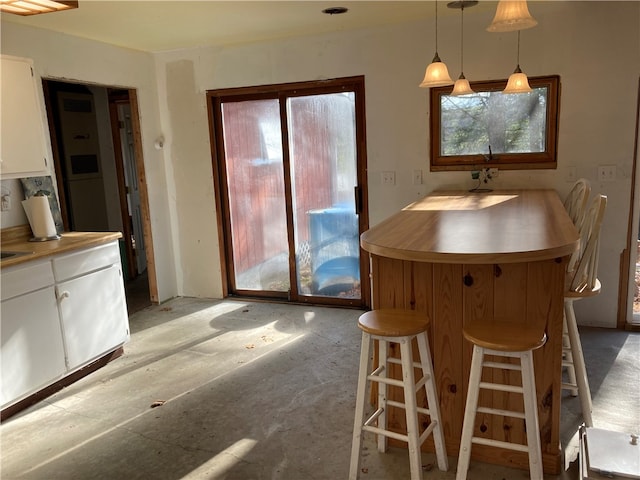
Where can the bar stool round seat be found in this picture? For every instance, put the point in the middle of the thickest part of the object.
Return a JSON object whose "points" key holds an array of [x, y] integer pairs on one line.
{"points": [[502, 340], [393, 323], [505, 336], [402, 327]]}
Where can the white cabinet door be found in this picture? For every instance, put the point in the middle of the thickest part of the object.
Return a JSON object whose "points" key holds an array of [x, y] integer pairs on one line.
{"points": [[94, 315], [23, 147], [32, 352]]}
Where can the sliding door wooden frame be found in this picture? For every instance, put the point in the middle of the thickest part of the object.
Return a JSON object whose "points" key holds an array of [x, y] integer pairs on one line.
{"points": [[215, 99]]}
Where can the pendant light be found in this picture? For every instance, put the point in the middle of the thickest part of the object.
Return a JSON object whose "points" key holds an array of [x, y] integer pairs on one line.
{"points": [[518, 81], [512, 15], [462, 87], [437, 73]]}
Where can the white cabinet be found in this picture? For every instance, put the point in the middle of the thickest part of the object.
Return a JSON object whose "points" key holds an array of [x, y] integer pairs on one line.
{"points": [[59, 315], [91, 297], [23, 151], [32, 351]]}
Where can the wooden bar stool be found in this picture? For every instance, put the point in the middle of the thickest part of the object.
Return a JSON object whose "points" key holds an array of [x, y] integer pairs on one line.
{"points": [[506, 340], [401, 327]]}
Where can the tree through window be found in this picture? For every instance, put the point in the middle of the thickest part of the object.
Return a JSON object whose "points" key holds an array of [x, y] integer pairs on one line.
{"points": [[492, 129]]}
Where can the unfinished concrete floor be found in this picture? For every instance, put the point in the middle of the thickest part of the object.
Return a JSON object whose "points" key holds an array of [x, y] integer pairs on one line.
{"points": [[253, 391]]}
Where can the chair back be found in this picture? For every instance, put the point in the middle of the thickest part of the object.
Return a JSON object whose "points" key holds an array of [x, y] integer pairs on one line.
{"points": [[576, 201], [583, 268]]}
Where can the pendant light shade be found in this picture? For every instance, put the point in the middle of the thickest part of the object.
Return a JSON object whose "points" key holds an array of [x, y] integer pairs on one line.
{"points": [[518, 81], [437, 73], [462, 87], [512, 15]]}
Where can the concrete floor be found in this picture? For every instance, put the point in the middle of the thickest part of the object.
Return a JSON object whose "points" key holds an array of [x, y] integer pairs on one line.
{"points": [[253, 391]]}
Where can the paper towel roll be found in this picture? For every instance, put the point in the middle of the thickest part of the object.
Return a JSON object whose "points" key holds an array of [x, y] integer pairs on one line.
{"points": [[40, 218]]}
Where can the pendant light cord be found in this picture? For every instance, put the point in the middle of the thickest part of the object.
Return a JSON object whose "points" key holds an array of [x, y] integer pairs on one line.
{"points": [[518, 55], [436, 28], [462, 39]]}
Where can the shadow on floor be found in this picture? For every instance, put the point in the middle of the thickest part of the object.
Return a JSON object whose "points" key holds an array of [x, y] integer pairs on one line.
{"points": [[137, 293]]}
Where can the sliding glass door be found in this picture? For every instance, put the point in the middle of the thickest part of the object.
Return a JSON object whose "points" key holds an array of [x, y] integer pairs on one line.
{"points": [[290, 176]]}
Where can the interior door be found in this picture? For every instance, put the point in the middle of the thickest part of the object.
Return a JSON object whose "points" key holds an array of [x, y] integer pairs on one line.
{"points": [[290, 174]]}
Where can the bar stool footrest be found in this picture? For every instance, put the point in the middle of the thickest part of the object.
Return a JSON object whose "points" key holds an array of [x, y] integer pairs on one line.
{"points": [[498, 443], [502, 365], [571, 387], [374, 416], [427, 432], [397, 404], [386, 433], [501, 412], [501, 387]]}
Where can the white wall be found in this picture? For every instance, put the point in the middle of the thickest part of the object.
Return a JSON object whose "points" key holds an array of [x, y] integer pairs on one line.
{"points": [[593, 46], [69, 58]]}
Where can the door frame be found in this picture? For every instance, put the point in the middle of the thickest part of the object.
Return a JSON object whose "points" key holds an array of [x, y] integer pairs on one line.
{"points": [[214, 100], [116, 97], [629, 255], [139, 161]]}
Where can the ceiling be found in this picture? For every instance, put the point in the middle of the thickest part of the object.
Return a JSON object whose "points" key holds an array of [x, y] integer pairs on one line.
{"points": [[153, 26]]}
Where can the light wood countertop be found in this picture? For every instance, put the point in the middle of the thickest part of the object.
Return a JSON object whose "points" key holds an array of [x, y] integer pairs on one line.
{"points": [[503, 226], [15, 240]]}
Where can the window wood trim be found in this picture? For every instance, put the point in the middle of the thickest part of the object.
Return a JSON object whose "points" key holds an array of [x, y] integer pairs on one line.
{"points": [[503, 161]]}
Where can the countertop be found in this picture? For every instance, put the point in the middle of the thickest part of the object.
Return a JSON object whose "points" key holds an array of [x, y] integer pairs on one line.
{"points": [[16, 239], [503, 226]]}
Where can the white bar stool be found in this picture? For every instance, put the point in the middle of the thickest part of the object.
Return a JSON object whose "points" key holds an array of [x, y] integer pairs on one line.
{"points": [[397, 326], [510, 340], [582, 282]]}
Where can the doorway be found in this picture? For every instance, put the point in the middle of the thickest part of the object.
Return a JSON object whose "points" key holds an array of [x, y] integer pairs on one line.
{"points": [[290, 170], [97, 159], [629, 293]]}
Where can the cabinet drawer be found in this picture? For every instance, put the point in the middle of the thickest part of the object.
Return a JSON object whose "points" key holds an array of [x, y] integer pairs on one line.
{"points": [[22, 279], [86, 261]]}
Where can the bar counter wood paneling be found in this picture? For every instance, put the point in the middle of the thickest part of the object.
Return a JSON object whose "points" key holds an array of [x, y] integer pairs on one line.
{"points": [[461, 256]]}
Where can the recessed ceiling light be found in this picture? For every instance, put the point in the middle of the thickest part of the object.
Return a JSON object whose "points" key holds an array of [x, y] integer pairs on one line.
{"points": [[335, 10], [33, 7]]}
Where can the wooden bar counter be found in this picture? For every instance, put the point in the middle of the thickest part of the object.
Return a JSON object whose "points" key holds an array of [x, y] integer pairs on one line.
{"points": [[460, 256]]}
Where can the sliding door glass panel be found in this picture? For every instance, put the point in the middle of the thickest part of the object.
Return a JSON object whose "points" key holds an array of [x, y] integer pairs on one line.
{"points": [[255, 181], [323, 164]]}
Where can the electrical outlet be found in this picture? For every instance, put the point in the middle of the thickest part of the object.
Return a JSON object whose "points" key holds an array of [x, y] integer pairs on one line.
{"points": [[417, 177], [607, 173], [388, 178]]}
